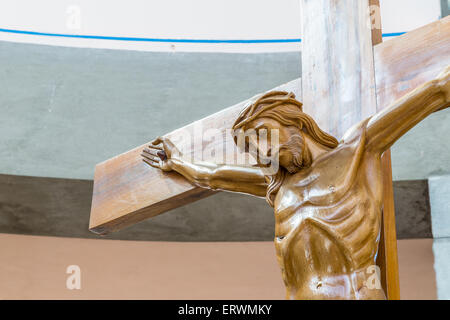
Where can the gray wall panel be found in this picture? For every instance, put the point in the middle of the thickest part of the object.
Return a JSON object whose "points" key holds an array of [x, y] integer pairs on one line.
{"points": [[60, 207], [441, 250], [440, 216], [65, 109], [440, 205]]}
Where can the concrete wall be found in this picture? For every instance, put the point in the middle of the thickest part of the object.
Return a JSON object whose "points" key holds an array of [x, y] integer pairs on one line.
{"points": [[440, 216], [66, 109]]}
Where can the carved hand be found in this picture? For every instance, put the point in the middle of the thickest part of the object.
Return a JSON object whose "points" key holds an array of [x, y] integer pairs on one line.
{"points": [[159, 154]]}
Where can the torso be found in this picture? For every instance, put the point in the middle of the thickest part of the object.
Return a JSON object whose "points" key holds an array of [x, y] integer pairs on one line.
{"points": [[328, 222]]}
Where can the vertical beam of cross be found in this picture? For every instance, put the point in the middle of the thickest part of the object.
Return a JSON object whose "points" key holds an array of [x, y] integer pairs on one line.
{"points": [[387, 252], [337, 63], [339, 89]]}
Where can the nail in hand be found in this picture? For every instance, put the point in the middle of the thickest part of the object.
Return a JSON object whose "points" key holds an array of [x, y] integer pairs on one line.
{"points": [[162, 155]]}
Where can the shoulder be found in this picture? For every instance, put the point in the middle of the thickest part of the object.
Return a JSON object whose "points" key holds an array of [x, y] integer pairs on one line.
{"points": [[356, 132]]}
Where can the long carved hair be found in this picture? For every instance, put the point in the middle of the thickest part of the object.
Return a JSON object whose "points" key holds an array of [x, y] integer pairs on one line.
{"points": [[284, 108]]}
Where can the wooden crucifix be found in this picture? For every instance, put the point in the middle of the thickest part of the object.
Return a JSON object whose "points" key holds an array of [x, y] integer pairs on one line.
{"points": [[332, 199]]}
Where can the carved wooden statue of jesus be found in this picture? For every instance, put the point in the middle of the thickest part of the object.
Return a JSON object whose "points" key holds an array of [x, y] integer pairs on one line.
{"points": [[326, 195]]}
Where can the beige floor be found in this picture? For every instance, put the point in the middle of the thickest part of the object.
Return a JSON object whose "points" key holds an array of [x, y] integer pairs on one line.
{"points": [[35, 268]]}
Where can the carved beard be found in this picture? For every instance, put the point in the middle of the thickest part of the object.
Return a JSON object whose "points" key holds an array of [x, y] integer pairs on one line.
{"points": [[301, 157]]}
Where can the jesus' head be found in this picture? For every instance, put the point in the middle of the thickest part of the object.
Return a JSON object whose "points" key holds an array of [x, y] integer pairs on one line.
{"points": [[280, 112]]}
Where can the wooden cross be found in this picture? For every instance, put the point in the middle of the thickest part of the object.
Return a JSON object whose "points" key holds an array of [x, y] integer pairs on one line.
{"points": [[348, 75]]}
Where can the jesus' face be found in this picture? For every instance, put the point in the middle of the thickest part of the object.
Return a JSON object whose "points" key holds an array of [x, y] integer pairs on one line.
{"points": [[287, 148]]}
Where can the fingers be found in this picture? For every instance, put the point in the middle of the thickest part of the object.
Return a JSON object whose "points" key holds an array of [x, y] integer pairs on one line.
{"points": [[166, 149], [159, 148], [157, 166], [165, 142], [155, 147], [150, 157], [158, 140], [152, 151], [154, 154]]}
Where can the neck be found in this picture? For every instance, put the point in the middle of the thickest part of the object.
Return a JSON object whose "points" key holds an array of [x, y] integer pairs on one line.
{"points": [[315, 148]]}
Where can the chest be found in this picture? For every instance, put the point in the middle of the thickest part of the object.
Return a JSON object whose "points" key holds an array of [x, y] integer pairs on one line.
{"points": [[330, 181]]}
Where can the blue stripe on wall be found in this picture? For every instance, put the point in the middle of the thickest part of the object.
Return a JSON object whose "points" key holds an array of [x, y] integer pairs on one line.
{"points": [[393, 34], [165, 40]]}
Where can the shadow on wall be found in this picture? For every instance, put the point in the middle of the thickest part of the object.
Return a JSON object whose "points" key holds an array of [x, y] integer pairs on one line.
{"points": [[61, 207]]}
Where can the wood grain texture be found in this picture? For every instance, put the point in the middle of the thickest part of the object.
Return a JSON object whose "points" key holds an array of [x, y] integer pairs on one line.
{"points": [[400, 66], [410, 60], [387, 258], [127, 191], [339, 87], [337, 63]]}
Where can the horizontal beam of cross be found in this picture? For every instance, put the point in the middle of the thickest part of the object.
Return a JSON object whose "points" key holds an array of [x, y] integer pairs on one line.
{"points": [[127, 191]]}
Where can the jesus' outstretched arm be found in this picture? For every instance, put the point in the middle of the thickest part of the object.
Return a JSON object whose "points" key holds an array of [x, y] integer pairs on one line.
{"points": [[213, 176], [385, 127]]}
